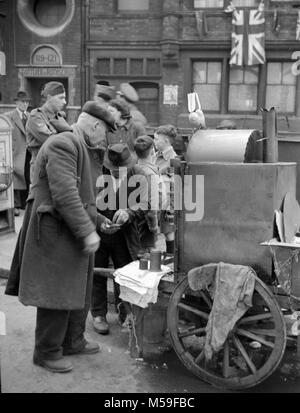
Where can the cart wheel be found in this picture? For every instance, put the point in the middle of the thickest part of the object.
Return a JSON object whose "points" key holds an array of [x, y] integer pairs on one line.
{"points": [[252, 351]]}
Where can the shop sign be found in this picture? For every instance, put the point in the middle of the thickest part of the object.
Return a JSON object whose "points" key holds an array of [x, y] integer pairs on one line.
{"points": [[46, 56]]}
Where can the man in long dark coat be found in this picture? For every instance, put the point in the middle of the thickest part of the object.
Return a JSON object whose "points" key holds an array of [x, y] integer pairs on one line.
{"points": [[54, 258], [21, 156]]}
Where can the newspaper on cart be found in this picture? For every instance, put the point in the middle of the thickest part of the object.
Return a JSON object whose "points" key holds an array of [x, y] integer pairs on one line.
{"points": [[139, 287]]}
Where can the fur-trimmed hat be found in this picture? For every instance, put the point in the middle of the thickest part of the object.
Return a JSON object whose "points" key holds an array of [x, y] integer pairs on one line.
{"points": [[98, 111]]}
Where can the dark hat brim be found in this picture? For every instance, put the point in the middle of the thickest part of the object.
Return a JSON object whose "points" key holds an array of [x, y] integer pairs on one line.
{"points": [[24, 99], [94, 109], [128, 163]]}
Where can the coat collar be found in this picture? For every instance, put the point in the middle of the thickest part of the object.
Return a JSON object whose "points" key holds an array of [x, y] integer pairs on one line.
{"points": [[18, 121]]}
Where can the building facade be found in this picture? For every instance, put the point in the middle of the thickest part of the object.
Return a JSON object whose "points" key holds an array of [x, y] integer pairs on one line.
{"points": [[164, 48]]}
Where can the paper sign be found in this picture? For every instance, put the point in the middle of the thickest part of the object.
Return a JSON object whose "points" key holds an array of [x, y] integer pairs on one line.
{"points": [[170, 94]]}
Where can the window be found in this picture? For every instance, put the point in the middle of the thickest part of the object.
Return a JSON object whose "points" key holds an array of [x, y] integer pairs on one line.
{"points": [[207, 3], [226, 89], [246, 3], [133, 5], [125, 66], [243, 86], [203, 4], [207, 83], [281, 87]]}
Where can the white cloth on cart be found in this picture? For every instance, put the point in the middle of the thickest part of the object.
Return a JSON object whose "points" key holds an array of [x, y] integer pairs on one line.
{"points": [[139, 287]]}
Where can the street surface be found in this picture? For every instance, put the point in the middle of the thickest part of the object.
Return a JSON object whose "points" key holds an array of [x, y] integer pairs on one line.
{"points": [[112, 370]]}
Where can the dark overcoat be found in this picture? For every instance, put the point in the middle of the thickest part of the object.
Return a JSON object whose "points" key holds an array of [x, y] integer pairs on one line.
{"points": [[53, 268], [19, 149]]}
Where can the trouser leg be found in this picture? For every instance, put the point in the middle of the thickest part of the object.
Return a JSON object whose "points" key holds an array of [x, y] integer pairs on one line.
{"points": [[17, 198], [99, 291], [51, 327], [121, 257], [74, 339]]}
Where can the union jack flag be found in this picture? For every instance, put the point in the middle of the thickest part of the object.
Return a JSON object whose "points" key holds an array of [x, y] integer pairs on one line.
{"points": [[248, 37], [298, 27]]}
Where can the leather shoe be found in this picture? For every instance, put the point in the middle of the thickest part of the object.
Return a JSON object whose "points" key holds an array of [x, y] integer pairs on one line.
{"points": [[90, 348], [100, 325], [55, 366]]}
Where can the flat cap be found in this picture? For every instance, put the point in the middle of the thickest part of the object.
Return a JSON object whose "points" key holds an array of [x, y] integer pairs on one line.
{"points": [[128, 92], [143, 143], [52, 89], [98, 111]]}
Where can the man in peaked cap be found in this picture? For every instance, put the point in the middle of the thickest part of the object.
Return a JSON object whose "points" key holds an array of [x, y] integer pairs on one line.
{"points": [[128, 94], [127, 130], [46, 120], [21, 156], [54, 258], [104, 93]]}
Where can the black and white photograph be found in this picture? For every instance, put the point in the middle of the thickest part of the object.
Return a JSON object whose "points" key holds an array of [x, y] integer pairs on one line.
{"points": [[149, 199]]}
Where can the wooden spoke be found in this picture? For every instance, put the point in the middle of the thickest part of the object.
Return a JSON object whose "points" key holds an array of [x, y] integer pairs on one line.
{"points": [[192, 332], [200, 357], [237, 366], [226, 360], [206, 299], [201, 314], [254, 337], [264, 332], [257, 317], [244, 354]]}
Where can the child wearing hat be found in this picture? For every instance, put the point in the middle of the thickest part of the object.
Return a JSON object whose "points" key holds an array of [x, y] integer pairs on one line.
{"points": [[148, 227], [164, 136]]}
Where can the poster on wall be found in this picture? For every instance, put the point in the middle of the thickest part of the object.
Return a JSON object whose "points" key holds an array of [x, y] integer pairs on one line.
{"points": [[170, 94], [2, 153]]}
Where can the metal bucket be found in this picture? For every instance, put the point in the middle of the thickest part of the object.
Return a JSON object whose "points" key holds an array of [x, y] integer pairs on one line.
{"points": [[155, 323]]}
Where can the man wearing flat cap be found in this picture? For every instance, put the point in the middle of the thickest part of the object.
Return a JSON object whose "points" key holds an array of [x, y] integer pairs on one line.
{"points": [[21, 156], [128, 94], [54, 258], [118, 216], [46, 120], [127, 130]]}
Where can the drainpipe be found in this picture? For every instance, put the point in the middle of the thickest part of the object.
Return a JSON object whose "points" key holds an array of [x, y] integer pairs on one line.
{"points": [[84, 54], [270, 135]]}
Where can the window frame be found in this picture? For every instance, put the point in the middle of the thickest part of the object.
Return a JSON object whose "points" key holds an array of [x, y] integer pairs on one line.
{"points": [[132, 11], [281, 56]]}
